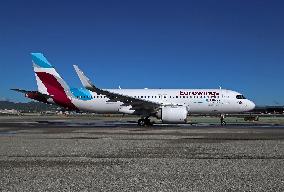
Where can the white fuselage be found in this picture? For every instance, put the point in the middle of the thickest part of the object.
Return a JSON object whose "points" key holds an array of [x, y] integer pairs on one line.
{"points": [[200, 101]]}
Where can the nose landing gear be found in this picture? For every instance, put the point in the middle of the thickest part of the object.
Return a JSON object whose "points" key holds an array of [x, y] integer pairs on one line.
{"points": [[223, 122]]}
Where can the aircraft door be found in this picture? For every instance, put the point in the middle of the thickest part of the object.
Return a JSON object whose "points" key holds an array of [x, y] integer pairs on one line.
{"points": [[213, 103], [164, 98]]}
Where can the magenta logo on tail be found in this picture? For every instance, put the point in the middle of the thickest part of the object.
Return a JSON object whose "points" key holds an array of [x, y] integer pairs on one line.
{"points": [[55, 89]]}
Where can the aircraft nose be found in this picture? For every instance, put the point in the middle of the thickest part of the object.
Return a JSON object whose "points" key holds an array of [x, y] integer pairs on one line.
{"points": [[251, 105]]}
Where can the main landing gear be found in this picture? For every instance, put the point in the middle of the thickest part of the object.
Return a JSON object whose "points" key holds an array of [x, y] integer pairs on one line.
{"points": [[223, 122], [145, 122]]}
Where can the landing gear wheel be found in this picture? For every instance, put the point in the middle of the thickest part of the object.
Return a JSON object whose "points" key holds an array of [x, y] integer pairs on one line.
{"points": [[145, 122], [141, 122], [148, 122], [223, 122]]}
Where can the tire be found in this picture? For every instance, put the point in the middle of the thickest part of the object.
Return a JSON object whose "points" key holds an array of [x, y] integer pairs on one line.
{"points": [[148, 122], [141, 122], [223, 123]]}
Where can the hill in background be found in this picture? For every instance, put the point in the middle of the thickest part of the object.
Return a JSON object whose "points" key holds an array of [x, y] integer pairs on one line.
{"points": [[27, 107]]}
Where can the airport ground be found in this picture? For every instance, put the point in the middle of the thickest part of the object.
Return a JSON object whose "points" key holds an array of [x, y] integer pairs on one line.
{"points": [[110, 153]]}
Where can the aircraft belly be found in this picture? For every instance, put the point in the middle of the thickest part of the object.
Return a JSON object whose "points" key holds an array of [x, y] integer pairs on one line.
{"points": [[199, 108], [210, 108], [97, 106]]}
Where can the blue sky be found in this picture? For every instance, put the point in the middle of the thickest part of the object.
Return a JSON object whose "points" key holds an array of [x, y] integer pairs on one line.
{"points": [[156, 44]]}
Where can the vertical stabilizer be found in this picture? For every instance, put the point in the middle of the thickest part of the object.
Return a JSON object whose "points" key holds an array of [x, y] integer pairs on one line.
{"points": [[49, 81]]}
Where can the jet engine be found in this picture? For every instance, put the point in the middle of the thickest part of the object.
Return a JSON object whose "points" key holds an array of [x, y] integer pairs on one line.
{"points": [[126, 109], [173, 114]]}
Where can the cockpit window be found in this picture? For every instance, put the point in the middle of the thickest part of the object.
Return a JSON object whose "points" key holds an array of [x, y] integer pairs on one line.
{"points": [[240, 97]]}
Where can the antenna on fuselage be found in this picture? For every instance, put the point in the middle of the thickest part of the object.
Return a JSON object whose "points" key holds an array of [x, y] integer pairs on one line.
{"points": [[119, 87], [220, 87]]}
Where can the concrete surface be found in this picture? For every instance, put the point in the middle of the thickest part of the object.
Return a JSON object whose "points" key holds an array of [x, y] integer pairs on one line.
{"points": [[75, 154]]}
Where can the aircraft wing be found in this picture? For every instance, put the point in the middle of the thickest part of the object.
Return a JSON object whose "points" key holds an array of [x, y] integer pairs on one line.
{"points": [[137, 104]]}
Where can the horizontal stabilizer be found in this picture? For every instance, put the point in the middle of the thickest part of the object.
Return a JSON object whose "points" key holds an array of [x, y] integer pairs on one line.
{"points": [[34, 92], [21, 90]]}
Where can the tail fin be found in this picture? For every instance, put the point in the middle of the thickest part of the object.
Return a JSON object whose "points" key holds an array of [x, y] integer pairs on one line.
{"points": [[49, 81], [46, 75]]}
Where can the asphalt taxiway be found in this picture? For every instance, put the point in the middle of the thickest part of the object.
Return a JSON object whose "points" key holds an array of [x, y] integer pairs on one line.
{"points": [[75, 154]]}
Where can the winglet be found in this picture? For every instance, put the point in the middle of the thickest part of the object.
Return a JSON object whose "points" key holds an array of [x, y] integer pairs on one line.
{"points": [[83, 78]]}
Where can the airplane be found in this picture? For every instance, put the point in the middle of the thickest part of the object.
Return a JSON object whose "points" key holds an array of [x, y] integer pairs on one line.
{"points": [[169, 105]]}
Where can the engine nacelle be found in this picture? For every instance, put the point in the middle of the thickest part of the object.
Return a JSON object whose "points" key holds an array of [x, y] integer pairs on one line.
{"points": [[126, 109], [173, 114]]}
